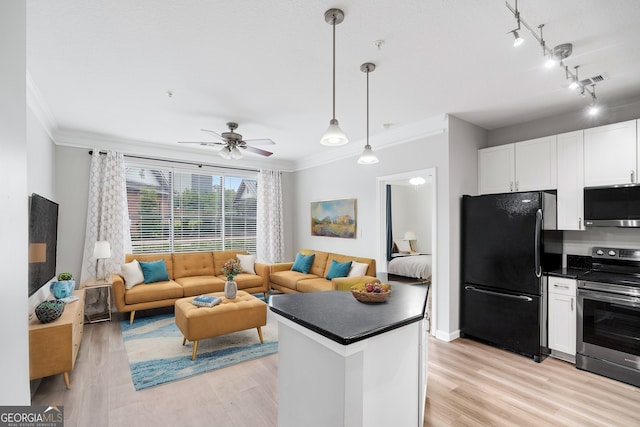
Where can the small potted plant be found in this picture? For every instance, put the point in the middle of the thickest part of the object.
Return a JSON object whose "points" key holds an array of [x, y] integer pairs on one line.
{"points": [[230, 269], [64, 286]]}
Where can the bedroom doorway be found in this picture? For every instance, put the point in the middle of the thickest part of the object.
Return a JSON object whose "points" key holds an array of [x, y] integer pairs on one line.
{"points": [[414, 202]]}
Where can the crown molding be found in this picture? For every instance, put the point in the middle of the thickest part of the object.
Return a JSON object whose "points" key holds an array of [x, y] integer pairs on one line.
{"points": [[393, 136], [204, 155], [39, 107]]}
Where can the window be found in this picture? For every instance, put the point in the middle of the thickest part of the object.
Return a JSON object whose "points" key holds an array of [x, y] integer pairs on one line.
{"points": [[181, 211]]}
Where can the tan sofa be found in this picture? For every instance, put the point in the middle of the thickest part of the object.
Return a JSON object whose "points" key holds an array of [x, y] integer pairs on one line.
{"points": [[283, 279], [190, 274]]}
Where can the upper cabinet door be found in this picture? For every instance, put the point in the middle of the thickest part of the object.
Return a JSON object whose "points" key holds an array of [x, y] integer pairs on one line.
{"points": [[496, 169], [610, 154], [570, 181], [536, 164]]}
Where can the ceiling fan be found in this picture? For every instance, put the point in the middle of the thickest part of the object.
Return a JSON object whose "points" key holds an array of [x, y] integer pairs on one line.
{"points": [[232, 143]]}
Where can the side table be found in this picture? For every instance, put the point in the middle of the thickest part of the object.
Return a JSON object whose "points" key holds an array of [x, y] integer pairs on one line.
{"points": [[97, 301]]}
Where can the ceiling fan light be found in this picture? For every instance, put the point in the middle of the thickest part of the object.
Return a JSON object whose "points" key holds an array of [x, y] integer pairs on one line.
{"points": [[367, 157], [224, 153], [235, 153], [333, 136]]}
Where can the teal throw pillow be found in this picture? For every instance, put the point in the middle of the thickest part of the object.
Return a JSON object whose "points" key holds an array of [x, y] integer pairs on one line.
{"points": [[154, 271], [338, 269], [302, 264]]}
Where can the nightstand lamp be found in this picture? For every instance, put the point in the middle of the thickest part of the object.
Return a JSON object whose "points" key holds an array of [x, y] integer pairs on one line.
{"points": [[102, 250], [410, 236]]}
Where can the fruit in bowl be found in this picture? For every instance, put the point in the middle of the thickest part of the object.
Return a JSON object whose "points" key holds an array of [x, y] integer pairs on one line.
{"points": [[371, 292]]}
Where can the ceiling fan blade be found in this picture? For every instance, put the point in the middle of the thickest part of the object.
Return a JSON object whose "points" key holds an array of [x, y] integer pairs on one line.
{"points": [[202, 143], [265, 141], [212, 133], [257, 150]]}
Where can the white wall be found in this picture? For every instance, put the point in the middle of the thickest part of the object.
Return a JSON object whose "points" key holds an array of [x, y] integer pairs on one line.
{"points": [[14, 369], [411, 207], [464, 141]]}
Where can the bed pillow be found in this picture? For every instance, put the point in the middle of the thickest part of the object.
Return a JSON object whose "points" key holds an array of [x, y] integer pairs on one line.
{"points": [[404, 246], [302, 264], [132, 274], [246, 263], [338, 269], [154, 271], [358, 269]]}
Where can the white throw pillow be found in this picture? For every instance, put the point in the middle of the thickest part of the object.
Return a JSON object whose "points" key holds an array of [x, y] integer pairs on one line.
{"points": [[404, 246], [246, 263], [132, 274], [358, 269]]}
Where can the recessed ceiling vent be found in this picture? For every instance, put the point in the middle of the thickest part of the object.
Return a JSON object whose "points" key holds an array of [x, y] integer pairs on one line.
{"points": [[593, 80]]}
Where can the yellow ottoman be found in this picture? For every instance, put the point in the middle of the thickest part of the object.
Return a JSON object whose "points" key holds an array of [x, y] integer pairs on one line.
{"points": [[230, 315]]}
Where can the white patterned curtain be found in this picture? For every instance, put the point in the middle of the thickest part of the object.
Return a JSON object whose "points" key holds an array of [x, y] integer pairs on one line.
{"points": [[107, 214], [270, 220]]}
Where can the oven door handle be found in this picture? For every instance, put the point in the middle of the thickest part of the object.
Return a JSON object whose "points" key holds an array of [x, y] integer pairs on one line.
{"points": [[599, 296], [520, 297]]}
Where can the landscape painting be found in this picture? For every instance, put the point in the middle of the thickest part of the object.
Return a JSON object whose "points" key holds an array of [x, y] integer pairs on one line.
{"points": [[334, 218]]}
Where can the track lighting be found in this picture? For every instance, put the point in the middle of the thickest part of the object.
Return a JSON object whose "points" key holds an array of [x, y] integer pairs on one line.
{"points": [[557, 55], [367, 157], [334, 135], [594, 109]]}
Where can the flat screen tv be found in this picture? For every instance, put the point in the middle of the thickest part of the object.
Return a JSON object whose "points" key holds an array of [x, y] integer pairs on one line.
{"points": [[43, 239]]}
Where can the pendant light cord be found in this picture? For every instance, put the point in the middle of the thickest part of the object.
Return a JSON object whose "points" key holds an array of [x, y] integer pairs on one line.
{"points": [[368, 108], [334, 67]]}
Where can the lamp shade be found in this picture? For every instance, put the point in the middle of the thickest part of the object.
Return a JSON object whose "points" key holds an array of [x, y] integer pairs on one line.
{"points": [[102, 249], [367, 157], [409, 235], [334, 136]]}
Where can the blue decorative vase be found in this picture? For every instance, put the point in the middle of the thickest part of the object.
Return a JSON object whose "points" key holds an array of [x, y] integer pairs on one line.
{"points": [[62, 289]]}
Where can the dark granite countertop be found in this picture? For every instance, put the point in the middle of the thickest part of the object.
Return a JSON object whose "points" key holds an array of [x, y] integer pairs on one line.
{"points": [[568, 272], [337, 315]]}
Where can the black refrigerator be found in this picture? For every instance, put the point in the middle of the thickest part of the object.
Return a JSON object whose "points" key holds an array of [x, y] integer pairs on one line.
{"points": [[508, 241]]}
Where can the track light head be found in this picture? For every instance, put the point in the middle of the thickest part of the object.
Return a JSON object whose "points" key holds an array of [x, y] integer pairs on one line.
{"points": [[518, 40]]}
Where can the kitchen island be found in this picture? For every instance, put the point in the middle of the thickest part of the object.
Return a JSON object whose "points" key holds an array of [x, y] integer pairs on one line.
{"points": [[346, 363]]}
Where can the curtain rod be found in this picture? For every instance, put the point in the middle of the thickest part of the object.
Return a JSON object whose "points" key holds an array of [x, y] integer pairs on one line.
{"points": [[182, 162]]}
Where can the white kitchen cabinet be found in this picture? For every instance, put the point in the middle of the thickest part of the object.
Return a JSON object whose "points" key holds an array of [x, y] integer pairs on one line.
{"points": [[562, 317], [496, 169], [536, 164], [611, 154], [570, 200], [523, 166]]}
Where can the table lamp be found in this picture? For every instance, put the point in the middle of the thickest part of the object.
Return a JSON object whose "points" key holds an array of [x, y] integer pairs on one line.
{"points": [[101, 250]]}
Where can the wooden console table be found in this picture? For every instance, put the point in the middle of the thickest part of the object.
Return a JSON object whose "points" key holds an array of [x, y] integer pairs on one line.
{"points": [[53, 347]]}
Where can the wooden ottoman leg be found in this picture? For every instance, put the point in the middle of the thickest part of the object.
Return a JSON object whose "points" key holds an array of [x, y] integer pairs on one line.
{"points": [[131, 316], [65, 375], [184, 340], [195, 350], [260, 334]]}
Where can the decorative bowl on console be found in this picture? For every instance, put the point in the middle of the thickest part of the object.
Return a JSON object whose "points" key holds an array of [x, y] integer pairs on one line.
{"points": [[371, 292], [50, 310]]}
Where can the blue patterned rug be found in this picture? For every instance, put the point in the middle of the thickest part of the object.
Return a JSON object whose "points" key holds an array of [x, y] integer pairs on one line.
{"points": [[157, 356]]}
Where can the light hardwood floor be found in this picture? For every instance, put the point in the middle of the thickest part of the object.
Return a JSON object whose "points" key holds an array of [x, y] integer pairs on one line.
{"points": [[470, 384]]}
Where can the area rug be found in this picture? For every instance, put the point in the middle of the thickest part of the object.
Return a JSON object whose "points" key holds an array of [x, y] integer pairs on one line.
{"points": [[157, 356]]}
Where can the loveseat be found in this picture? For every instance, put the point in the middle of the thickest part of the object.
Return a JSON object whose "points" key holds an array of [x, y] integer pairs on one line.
{"points": [[283, 277], [189, 274]]}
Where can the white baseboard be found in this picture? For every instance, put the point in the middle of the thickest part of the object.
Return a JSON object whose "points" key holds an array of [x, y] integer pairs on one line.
{"points": [[448, 337]]}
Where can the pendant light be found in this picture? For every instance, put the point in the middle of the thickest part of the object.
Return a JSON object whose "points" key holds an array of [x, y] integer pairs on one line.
{"points": [[334, 135], [367, 157]]}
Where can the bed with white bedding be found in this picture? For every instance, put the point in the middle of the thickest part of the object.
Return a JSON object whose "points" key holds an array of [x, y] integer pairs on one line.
{"points": [[411, 265]]}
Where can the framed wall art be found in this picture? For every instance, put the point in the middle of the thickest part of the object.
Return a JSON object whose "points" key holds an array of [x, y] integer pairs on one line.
{"points": [[334, 218]]}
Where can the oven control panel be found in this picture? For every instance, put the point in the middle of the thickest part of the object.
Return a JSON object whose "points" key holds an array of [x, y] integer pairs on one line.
{"points": [[623, 254]]}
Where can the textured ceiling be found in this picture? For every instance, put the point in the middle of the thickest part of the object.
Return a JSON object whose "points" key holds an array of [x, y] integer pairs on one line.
{"points": [[103, 67]]}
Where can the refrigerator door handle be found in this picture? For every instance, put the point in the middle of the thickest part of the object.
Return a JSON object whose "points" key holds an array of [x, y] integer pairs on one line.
{"points": [[520, 297], [537, 242]]}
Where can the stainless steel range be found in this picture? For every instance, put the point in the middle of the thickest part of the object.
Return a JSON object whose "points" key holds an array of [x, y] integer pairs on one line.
{"points": [[608, 330]]}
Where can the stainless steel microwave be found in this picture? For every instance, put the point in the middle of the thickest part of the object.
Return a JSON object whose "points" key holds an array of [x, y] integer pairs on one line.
{"points": [[612, 206]]}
